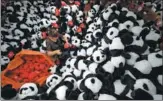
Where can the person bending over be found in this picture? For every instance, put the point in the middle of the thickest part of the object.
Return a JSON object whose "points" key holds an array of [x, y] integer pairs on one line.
{"points": [[54, 44]]}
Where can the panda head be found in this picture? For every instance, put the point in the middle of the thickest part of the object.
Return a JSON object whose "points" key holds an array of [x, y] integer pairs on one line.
{"points": [[146, 85], [91, 84], [23, 9], [89, 36], [72, 80], [76, 42], [91, 27], [8, 50], [98, 56], [44, 23], [97, 34], [91, 12], [53, 80], [132, 58], [79, 14], [28, 89], [129, 24], [106, 14], [4, 61], [112, 33]]}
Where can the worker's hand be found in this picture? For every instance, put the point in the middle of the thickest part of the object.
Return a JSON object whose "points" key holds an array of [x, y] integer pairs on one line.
{"points": [[58, 52]]}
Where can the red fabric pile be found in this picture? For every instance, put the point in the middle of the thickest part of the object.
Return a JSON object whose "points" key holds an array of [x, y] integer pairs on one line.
{"points": [[33, 68]]}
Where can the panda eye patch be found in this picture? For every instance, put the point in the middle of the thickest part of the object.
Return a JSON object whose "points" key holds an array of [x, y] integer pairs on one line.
{"points": [[25, 88], [72, 81], [68, 66], [48, 83], [55, 77], [145, 86], [137, 38], [102, 55], [21, 91], [66, 9], [5, 59], [111, 33], [121, 64], [93, 81], [31, 88], [158, 56], [128, 26]]}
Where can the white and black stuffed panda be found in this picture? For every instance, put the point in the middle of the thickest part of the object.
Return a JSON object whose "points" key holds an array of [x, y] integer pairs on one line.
{"points": [[144, 89], [4, 62], [28, 91], [53, 80], [91, 83], [99, 56], [44, 23], [63, 90]]}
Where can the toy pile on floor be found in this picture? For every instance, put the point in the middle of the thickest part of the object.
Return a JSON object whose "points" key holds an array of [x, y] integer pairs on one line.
{"points": [[117, 53]]}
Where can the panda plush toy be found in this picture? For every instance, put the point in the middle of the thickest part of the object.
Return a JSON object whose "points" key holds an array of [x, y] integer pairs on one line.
{"points": [[91, 83], [63, 90], [144, 89], [4, 62], [99, 56], [53, 80], [7, 50], [28, 91]]}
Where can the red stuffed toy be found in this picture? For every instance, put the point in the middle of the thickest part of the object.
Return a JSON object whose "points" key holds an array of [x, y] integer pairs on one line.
{"points": [[44, 35], [66, 45]]}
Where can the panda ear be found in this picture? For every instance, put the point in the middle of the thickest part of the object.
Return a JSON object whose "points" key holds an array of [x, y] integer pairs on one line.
{"points": [[115, 24], [159, 56], [126, 39]]}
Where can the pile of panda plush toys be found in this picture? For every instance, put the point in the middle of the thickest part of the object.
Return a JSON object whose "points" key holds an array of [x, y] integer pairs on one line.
{"points": [[116, 55]]}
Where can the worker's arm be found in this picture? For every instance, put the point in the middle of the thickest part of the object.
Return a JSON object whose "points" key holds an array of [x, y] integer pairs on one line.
{"points": [[52, 53]]}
